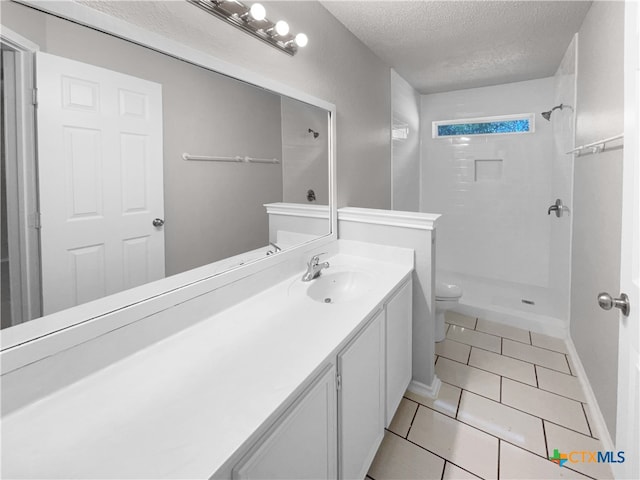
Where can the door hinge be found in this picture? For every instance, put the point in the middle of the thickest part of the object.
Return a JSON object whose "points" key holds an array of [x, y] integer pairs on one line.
{"points": [[338, 381], [34, 97]]}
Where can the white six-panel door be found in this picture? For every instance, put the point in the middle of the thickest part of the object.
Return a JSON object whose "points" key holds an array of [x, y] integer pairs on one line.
{"points": [[628, 421], [100, 181]]}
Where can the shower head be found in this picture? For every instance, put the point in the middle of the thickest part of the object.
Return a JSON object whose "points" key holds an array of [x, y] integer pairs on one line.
{"points": [[547, 115], [314, 133]]}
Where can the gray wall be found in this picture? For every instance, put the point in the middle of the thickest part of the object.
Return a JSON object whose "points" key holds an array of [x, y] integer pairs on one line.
{"points": [[304, 157], [597, 201], [335, 66], [405, 153], [213, 210]]}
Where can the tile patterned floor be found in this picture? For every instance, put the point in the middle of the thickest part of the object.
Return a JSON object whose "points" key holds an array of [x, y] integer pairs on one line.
{"points": [[509, 397]]}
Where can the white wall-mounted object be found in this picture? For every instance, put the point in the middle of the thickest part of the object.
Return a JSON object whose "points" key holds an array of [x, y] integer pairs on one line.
{"points": [[107, 314], [597, 146], [237, 159]]}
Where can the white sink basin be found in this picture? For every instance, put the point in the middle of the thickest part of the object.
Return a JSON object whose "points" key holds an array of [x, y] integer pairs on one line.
{"points": [[339, 286]]}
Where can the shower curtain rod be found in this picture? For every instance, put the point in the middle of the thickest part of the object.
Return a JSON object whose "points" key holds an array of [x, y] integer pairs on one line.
{"points": [[238, 159], [595, 147]]}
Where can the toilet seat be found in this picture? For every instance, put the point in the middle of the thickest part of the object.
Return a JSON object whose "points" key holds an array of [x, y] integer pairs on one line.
{"points": [[445, 291]]}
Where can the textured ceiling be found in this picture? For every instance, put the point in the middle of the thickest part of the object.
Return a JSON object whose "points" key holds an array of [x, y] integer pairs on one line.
{"points": [[439, 46]]}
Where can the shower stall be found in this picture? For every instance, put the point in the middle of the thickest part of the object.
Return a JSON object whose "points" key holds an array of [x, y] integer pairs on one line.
{"points": [[503, 237]]}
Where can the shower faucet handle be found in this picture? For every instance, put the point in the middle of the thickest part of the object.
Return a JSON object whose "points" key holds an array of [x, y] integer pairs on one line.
{"points": [[557, 207]]}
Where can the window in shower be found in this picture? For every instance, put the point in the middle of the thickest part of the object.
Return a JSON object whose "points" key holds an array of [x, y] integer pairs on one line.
{"points": [[504, 124]]}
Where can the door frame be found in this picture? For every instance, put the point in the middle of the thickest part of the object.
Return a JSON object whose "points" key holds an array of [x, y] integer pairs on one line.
{"points": [[22, 176]]}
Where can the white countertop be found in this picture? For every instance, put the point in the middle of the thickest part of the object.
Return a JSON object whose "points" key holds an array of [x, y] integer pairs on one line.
{"points": [[181, 407]]}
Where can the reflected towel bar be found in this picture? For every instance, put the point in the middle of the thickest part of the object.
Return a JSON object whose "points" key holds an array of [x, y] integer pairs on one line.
{"points": [[596, 147], [237, 159]]}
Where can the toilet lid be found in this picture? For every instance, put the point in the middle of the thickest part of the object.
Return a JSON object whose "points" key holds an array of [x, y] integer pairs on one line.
{"points": [[446, 290]]}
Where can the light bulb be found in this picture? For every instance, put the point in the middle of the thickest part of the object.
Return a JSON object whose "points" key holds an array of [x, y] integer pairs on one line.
{"points": [[302, 40], [282, 28], [257, 12]]}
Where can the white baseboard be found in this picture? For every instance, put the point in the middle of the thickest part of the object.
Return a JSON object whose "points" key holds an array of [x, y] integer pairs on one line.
{"points": [[554, 327], [600, 427], [429, 391]]}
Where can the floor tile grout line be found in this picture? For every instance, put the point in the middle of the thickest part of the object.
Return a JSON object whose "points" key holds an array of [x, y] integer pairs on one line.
{"points": [[532, 363], [566, 358], [514, 358], [506, 405], [587, 419], [512, 339], [487, 371], [458, 406], [544, 434], [556, 371], [537, 346], [501, 390], [535, 371], [543, 389], [546, 458], [475, 428], [570, 429], [457, 325], [413, 419], [439, 456], [469, 345], [444, 467], [475, 325], [483, 333], [499, 448], [492, 435]]}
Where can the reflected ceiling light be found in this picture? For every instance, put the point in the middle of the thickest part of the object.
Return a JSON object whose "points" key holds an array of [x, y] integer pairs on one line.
{"points": [[301, 40], [282, 28], [253, 20], [258, 12]]}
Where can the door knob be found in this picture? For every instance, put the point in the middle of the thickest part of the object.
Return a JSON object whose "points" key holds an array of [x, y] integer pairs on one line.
{"points": [[607, 303], [158, 222]]}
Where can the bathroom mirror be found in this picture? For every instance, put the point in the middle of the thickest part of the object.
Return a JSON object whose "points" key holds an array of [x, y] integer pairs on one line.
{"points": [[187, 168]]}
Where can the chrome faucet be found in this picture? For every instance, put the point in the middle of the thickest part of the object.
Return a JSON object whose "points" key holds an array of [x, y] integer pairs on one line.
{"points": [[276, 248], [314, 267]]}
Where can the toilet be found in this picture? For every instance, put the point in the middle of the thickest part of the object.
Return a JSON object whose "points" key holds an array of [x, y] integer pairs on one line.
{"points": [[447, 296]]}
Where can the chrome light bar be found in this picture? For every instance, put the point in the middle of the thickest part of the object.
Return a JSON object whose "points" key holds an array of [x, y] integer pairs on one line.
{"points": [[253, 20]]}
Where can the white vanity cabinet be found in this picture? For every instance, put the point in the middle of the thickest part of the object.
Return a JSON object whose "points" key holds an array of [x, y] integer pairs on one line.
{"points": [[398, 341], [302, 445], [361, 399], [334, 429]]}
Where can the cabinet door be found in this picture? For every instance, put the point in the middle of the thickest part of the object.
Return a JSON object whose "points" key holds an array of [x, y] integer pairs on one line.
{"points": [[361, 400], [303, 443], [399, 326]]}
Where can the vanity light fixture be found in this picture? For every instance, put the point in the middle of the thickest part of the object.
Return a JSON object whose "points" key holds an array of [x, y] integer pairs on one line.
{"points": [[253, 20]]}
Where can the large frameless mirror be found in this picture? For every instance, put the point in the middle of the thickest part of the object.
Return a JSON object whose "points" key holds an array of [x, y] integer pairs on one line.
{"points": [[144, 166]]}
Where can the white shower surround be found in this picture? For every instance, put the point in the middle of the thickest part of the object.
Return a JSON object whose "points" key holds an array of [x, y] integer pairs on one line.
{"points": [[495, 238]]}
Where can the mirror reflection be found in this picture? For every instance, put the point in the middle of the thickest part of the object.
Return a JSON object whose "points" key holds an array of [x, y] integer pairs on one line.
{"points": [[147, 166]]}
